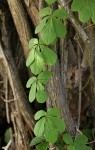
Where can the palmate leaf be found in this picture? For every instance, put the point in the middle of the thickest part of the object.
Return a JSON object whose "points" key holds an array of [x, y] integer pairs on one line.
{"points": [[48, 32], [41, 96], [37, 140], [44, 77], [61, 14], [49, 55], [39, 114], [43, 146], [86, 9], [50, 133], [32, 92], [39, 127]]}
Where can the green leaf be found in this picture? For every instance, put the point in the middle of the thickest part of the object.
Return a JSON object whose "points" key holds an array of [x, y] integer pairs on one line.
{"points": [[39, 127], [39, 114], [86, 9], [49, 55], [82, 147], [33, 42], [48, 32], [40, 87], [53, 112], [88, 132], [44, 76], [59, 28], [41, 96], [67, 139], [30, 82], [61, 14], [7, 136], [37, 140], [41, 25], [58, 124], [32, 92], [50, 1], [31, 57], [81, 139], [43, 146], [45, 12], [38, 65], [51, 133], [71, 147]]}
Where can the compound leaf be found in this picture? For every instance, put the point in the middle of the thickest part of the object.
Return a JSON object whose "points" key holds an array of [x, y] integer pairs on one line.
{"points": [[53, 112], [67, 139], [50, 1]]}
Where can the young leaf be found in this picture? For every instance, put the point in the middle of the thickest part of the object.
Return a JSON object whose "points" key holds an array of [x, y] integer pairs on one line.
{"points": [[41, 96], [61, 14], [49, 55], [41, 25], [33, 42], [30, 82], [50, 1], [39, 127], [50, 133], [43, 146], [32, 92], [48, 32], [31, 57], [53, 112], [40, 87], [44, 76], [7, 136], [45, 12], [39, 114], [59, 28], [67, 139], [58, 124], [37, 140]]}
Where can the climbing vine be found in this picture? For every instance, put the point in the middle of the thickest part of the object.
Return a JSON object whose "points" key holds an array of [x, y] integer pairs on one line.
{"points": [[50, 128]]}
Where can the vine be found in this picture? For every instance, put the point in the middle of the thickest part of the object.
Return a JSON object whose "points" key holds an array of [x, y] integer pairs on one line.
{"points": [[50, 128]]}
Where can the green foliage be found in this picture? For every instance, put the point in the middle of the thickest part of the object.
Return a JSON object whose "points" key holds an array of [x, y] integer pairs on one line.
{"points": [[50, 125], [50, 1], [51, 25], [85, 8], [50, 128], [7, 136]]}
